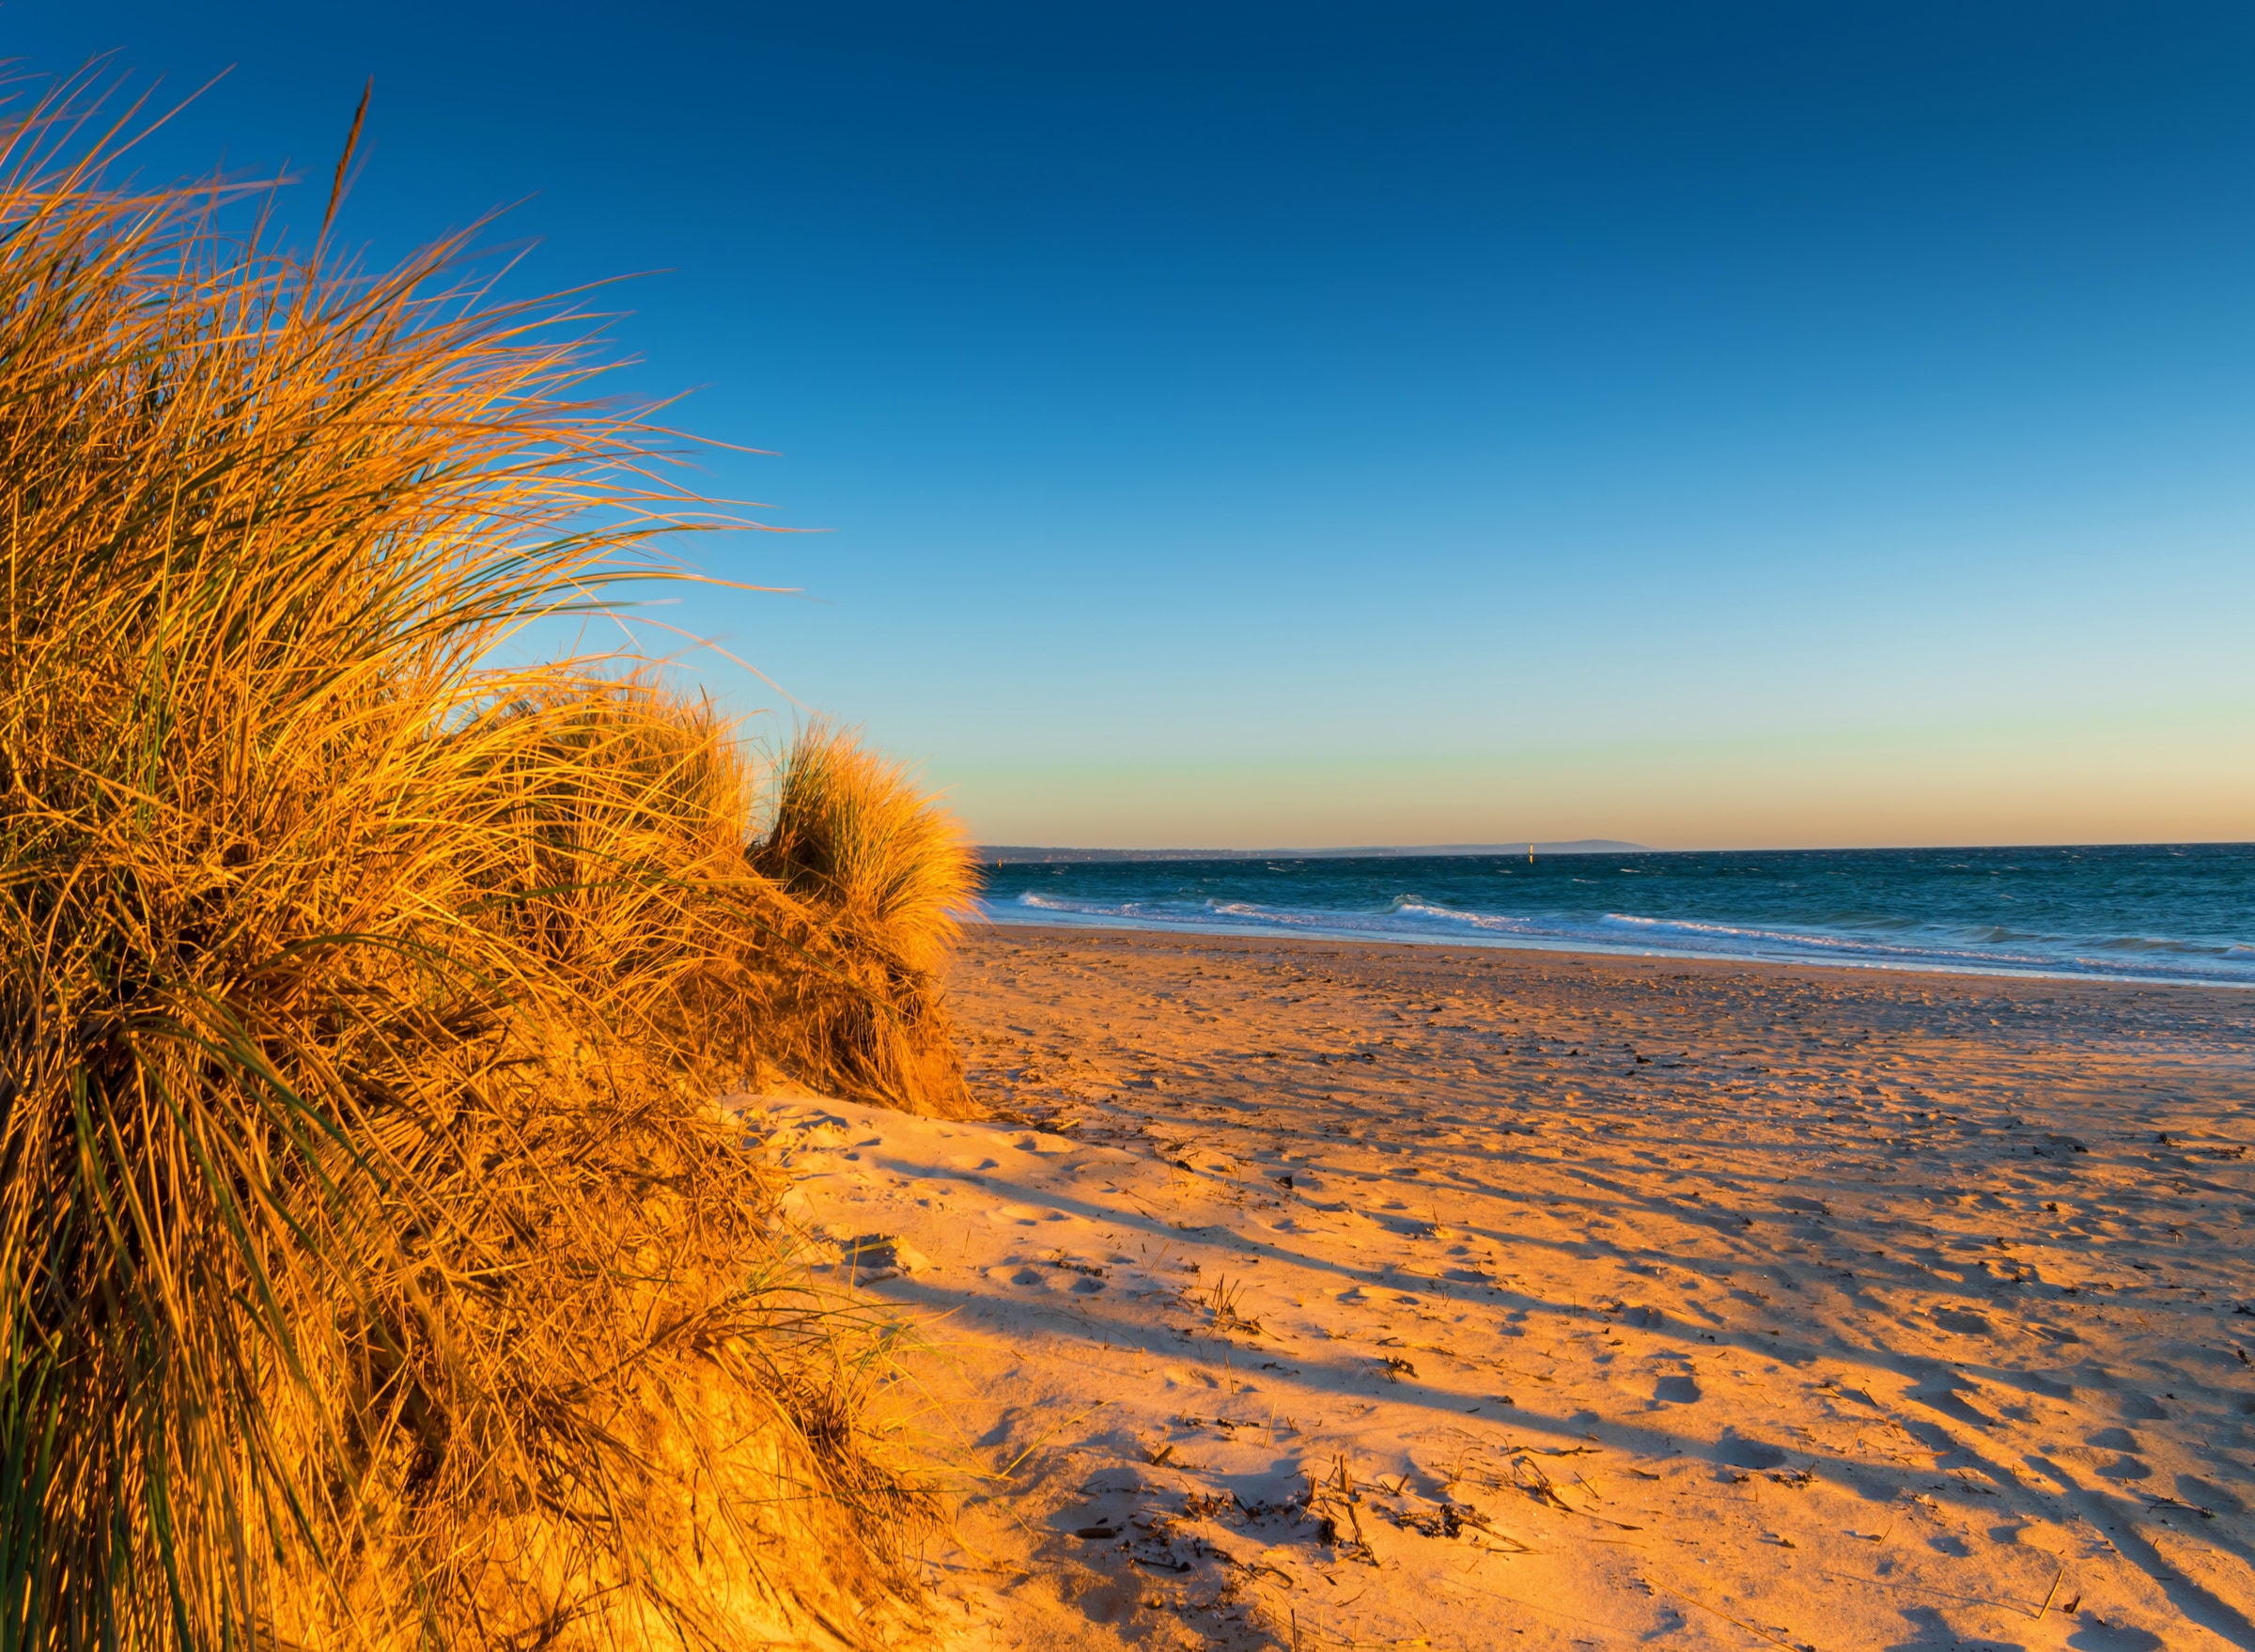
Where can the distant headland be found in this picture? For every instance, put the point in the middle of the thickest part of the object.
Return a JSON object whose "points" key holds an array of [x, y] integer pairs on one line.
{"points": [[1000, 854]]}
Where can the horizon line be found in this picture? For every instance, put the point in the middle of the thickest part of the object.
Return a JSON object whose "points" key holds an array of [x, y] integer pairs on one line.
{"points": [[1572, 846], [1003, 853]]}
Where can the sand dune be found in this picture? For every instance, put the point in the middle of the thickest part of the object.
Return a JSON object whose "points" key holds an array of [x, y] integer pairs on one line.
{"points": [[1331, 1295]]}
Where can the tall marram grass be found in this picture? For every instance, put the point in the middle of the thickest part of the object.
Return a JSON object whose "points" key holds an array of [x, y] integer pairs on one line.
{"points": [[373, 1268], [884, 871]]}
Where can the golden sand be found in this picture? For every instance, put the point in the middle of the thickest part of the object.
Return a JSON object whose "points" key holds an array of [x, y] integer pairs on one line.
{"points": [[1412, 1296]]}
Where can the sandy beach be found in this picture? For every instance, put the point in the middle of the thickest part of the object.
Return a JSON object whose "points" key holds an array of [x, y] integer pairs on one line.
{"points": [[1328, 1294]]}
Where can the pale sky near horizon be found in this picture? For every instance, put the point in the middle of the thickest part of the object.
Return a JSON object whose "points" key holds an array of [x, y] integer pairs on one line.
{"points": [[1734, 425]]}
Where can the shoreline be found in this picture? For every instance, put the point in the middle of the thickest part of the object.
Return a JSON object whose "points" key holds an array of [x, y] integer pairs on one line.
{"points": [[989, 916]]}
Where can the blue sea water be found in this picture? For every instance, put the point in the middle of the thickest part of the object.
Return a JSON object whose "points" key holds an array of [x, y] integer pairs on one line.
{"points": [[2159, 913]]}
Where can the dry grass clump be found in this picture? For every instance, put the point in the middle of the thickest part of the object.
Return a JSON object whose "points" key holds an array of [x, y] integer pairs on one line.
{"points": [[883, 870], [374, 1269]]}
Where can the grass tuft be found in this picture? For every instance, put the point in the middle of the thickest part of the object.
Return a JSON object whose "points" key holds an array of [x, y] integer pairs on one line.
{"points": [[374, 1269], [882, 869]]}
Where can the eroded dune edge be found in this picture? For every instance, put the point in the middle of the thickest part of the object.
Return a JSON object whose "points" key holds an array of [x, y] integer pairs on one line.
{"points": [[1335, 1294]]}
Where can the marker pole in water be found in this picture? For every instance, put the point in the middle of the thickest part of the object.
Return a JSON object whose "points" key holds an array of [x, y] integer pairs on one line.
{"points": [[1530, 854]]}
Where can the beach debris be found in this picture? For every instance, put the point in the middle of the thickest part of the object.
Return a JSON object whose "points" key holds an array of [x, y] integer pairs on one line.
{"points": [[2154, 1500], [1220, 1299]]}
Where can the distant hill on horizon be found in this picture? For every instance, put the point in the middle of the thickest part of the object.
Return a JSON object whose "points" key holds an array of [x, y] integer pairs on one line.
{"points": [[997, 854]]}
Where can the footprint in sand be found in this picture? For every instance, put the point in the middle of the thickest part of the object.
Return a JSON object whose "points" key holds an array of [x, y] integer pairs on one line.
{"points": [[1741, 1453], [873, 1256], [1963, 1323], [2101, 1636]]}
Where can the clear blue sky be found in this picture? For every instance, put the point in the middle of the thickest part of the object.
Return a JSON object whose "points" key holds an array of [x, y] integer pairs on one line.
{"points": [[1714, 423]]}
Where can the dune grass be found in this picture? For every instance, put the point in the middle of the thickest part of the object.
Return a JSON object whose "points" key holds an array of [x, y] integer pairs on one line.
{"points": [[883, 870], [375, 1269]]}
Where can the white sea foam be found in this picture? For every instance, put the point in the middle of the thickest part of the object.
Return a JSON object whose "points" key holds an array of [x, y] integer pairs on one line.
{"points": [[1882, 942]]}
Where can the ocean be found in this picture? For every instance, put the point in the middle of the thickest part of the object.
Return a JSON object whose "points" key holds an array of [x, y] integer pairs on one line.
{"points": [[2182, 913]]}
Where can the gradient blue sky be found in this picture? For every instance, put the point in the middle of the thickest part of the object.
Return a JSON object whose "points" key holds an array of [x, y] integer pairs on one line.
{"points": [[1707, 425]]}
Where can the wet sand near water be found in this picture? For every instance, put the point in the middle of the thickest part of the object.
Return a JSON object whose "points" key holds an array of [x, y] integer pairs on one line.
{"points": [[1333, 1294]]}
